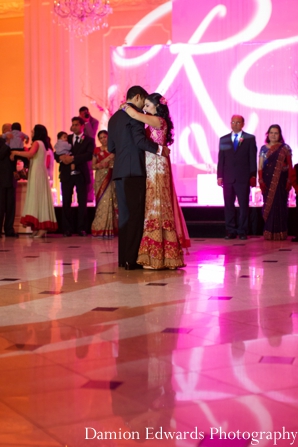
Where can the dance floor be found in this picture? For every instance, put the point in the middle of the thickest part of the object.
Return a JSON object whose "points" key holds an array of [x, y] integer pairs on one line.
{"points": [[93, 355]]}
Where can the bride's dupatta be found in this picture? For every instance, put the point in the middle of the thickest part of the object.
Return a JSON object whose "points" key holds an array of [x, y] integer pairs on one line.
{"points": [[180, 224], [276, 157]]}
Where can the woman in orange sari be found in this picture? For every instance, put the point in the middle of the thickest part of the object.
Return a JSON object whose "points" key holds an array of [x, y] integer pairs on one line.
{"points": [[275, 164], [105, 223]]}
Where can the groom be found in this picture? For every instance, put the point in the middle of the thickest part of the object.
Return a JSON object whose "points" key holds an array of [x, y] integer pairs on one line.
{"points": [[236, 173], [127, 140]]}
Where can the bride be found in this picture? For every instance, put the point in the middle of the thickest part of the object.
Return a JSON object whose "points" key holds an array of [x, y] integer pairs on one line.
{"points": [[165, 232]]}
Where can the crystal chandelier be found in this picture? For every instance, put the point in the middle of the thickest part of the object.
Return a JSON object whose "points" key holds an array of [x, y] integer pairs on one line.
{"points": [[82, 17]]}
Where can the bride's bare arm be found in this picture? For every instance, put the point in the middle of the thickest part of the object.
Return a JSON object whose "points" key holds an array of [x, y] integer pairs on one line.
{"points": [[151, 120], [26, 154]]}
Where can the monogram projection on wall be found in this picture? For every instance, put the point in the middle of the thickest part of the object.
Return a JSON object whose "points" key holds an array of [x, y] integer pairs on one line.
{"points": [[225, 57]]}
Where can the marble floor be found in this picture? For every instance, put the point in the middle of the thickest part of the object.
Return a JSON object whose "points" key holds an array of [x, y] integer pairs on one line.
{"points": [[93, 355]]}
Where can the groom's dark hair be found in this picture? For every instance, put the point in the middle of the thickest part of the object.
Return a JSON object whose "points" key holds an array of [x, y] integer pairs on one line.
{"points": [[136, 90]]}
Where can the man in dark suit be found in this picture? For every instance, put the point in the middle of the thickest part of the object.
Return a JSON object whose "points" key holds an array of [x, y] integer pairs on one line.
{"points": [[128, 141], [236, 173], [8, 183], [82, 151], [91, 126]]}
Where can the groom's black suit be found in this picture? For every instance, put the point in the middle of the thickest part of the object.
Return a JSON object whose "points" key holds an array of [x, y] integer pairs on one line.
{"points": [[236, 167], [128, 141]]}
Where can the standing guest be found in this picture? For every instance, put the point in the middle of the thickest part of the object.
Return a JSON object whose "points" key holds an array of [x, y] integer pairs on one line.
{"points": [[50, 163], [91, 126], [63, 147], [15, 139], [8, 182], [294, 183], [38, 211], [91, 123], [82, 150], [236, 173], [275, 165], [128, 141], [105, 223], [165, 232]]}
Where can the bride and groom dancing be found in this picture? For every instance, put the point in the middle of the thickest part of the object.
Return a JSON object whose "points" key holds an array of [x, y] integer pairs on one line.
{"points": [[152, 230]]}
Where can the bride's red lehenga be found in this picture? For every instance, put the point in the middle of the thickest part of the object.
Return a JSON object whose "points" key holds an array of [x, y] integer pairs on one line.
{"points": [[165, 233]]}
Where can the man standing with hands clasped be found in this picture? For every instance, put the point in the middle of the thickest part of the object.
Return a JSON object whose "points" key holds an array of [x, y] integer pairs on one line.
{"points": [[236, 173]]}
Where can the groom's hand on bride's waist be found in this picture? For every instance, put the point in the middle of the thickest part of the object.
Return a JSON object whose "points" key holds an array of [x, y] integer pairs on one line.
{"points": [[164, 151]]}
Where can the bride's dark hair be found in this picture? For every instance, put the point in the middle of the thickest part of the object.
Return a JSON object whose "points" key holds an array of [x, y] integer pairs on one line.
{"points": [[162, 110]]}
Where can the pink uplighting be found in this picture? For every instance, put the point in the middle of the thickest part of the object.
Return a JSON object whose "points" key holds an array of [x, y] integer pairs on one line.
{"points": [[225, 58]]}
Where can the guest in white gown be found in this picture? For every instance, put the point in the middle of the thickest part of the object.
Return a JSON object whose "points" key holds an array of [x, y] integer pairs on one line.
{"points": [[38, 212]]}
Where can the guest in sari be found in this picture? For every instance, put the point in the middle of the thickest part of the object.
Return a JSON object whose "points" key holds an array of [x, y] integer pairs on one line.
{"points": [[165, 233], [275, 164], [294, 183], [105, 223]]}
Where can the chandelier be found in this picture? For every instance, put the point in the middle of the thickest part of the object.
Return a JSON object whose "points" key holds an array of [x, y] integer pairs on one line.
{"points": [[82, 17]]}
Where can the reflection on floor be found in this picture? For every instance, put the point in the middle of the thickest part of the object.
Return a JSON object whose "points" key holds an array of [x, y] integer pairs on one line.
{"points": [[93, 355]]}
